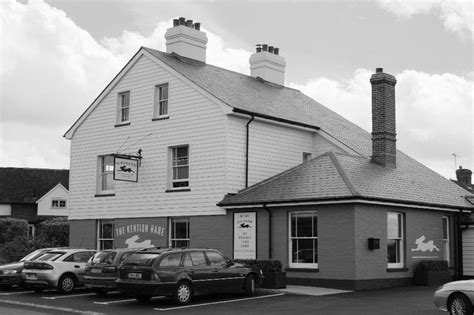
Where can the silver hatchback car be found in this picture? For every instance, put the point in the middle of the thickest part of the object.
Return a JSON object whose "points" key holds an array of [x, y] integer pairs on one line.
{"points": [[62, 269], [456, 297]]}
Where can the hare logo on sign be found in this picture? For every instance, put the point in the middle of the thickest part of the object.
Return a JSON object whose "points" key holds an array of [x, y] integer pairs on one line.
{"points": [[126, 169]]}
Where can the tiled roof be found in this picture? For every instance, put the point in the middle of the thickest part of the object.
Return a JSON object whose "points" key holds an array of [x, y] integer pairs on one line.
{"points": [[26, 185], [333, 176]]}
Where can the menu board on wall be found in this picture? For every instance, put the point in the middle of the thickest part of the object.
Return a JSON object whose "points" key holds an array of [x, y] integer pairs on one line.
{"points": [[245, 235]]}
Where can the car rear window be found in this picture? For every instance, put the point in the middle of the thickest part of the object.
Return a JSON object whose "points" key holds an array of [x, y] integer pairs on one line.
{"points": [[51, 256], [104, 258], [33, 255], [141, 259]]}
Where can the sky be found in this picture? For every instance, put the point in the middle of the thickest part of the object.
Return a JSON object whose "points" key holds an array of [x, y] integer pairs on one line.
{"points": [[56, 56]]}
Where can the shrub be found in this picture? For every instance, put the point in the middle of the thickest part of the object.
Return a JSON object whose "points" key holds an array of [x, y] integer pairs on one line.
{"points": [[14, 240], [53, 232], [267, 265], [12, 228], [432, 265]]}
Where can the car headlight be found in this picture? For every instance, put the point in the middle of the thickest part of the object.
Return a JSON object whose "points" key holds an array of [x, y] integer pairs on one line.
{"points": [[10, 272]]}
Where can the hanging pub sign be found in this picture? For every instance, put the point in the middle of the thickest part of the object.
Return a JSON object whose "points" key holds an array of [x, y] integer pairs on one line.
{"points": [[245, 232], [126, 168]]}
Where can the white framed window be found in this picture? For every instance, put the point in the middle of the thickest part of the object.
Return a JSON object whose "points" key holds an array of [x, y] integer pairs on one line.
{"points": [[31, 230], [105, 234], [123, 107], [58, 203], [161, 101], [106, 175], [446, 238], [306, 156], [395, 240], [303, 239], [180, 167], [179, 232]]}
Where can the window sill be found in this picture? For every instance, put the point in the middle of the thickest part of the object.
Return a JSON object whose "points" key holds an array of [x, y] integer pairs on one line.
{"points": [[104, 195], [123, 124], [397, 269], [161, 118], [177, 190], [302, 269]]}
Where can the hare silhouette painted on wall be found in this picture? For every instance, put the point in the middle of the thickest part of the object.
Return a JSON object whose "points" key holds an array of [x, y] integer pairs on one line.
{"points": [[423, 247]]}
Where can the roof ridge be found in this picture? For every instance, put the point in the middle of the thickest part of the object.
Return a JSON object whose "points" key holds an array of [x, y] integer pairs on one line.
{"points": [[343, 174]]}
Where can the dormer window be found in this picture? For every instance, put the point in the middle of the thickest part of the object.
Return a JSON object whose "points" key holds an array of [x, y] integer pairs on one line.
{"points": [[123, 107], [161, 101]]}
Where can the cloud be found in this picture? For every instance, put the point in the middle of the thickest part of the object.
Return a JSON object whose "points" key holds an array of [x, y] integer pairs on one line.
{"points": [[457, 15], [51, 70], [434, 113]]}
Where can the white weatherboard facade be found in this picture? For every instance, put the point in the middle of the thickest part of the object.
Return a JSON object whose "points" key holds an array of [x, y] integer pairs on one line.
{"points": [[217, 147]]}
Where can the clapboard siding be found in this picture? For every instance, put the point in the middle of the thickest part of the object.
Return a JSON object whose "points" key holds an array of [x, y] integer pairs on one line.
{"points": [[468, 251], [273, 148], [194, 120]]}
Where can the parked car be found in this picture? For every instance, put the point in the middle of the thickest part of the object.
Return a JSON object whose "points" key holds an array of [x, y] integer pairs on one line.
{"points": [[456, 297], [62, 269], [102, 269], [10, 274], [182, 273]]}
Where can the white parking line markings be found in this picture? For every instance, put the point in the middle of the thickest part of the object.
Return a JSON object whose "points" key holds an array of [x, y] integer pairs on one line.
{"points": [[13, 293], [215, 303], [65, 296], [49, 307], [126, 300]]}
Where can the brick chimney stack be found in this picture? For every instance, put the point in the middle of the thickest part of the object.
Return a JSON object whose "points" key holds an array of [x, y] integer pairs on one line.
{"points": [[463, 175], [384, 149]]}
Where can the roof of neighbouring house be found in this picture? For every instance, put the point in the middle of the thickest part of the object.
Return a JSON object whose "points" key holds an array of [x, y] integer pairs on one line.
{"points": [[411, 181], [27, 185]]}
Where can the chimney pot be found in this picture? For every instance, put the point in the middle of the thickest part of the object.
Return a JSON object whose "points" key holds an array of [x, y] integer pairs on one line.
{"points": [[197, 26], [182, 21], [264, 47], [189, 23], [379, 70], [175, 22], [270, 49], [276, 51]]}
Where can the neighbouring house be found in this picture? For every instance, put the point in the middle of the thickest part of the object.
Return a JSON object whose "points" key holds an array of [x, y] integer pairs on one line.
{"points": [[466, 227], [177, 152], [33, 194]]}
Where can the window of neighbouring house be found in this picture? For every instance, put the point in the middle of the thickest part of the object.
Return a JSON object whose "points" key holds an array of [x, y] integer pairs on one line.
{"points": [[161, 101], [303, 243], [105, 236], [395, 240], [123, 107], [106, 174], [306, 156], [179, 232], [180, 167], [58, 203], [446, 239], [31, 230]]}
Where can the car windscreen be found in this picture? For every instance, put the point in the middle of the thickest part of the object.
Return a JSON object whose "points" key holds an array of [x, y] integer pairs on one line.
{"points": [[50, 256], [103, 257], [141, 259], [33, 255]]}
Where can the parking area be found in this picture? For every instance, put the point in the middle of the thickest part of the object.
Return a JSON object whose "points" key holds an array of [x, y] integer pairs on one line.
{"points": [[408, 300]]}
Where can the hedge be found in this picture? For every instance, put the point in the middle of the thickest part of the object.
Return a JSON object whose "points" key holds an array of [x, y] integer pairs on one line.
{"points": [[432, 265], [267, 265]]}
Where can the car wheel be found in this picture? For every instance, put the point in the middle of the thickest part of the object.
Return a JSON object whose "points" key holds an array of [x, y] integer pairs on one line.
{"points": [[183, 293], [143, 298], [460, 305], [101, 291], [66, 284], [250, 285]]}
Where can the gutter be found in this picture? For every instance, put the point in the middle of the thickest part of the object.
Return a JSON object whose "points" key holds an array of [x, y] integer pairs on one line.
{"points": [[268, 117], [247, 152]]}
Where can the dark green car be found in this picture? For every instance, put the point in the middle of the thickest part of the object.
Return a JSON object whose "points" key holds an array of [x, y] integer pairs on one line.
{"points": [[181, 273]]}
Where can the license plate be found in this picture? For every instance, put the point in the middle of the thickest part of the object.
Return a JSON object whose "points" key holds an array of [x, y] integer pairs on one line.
{"points": [[96, 270], [31, 276], [134, 275]]}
